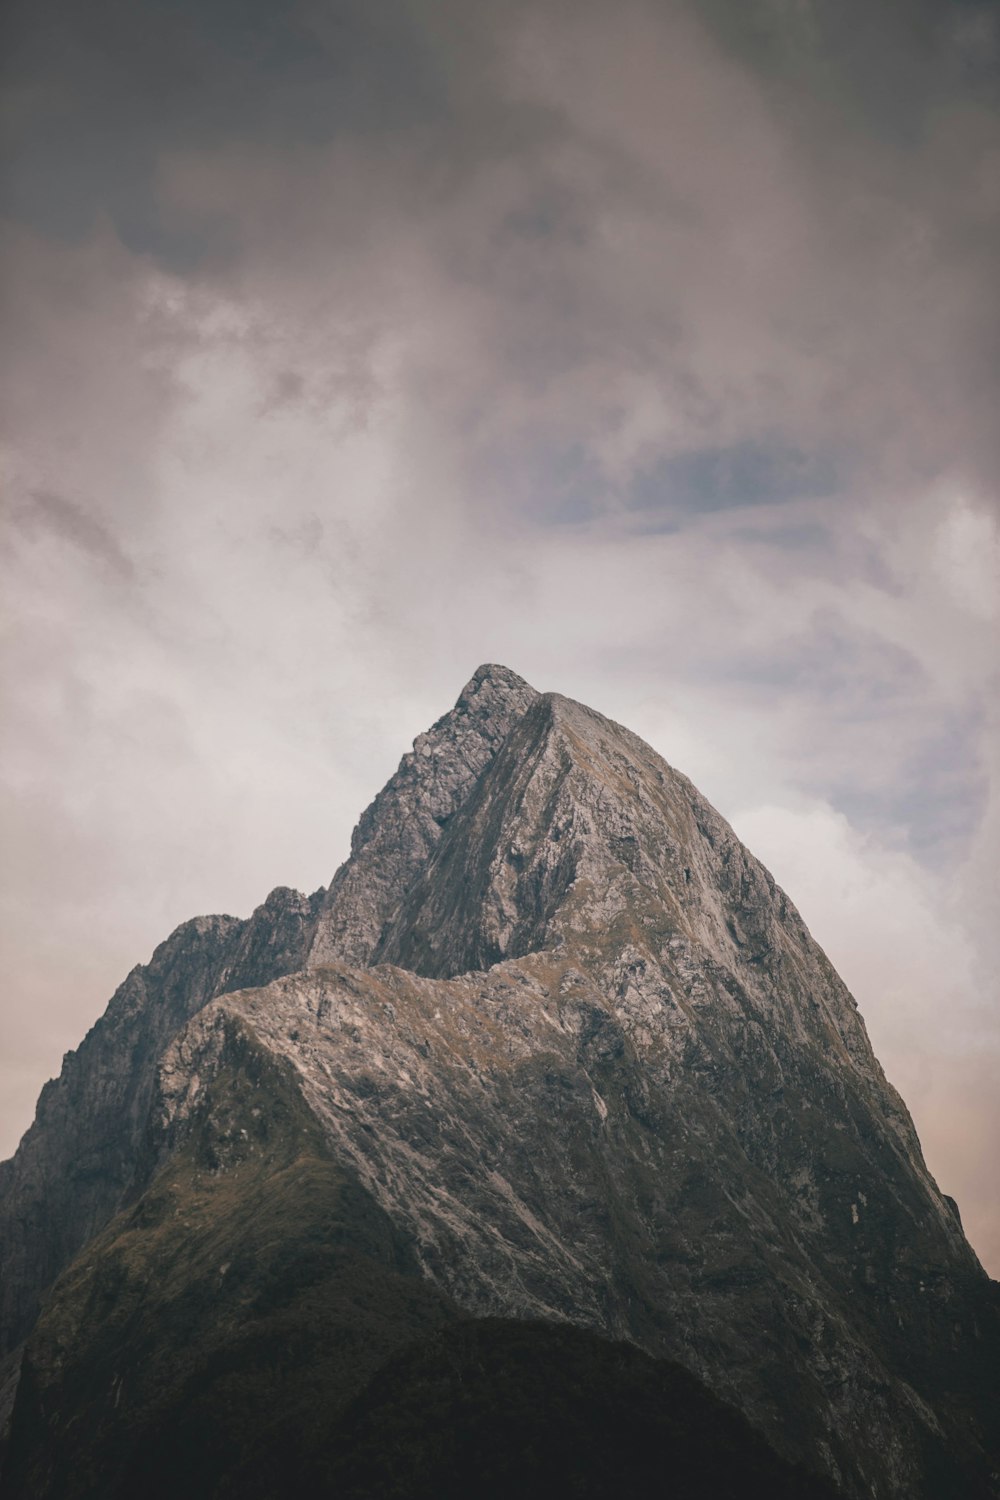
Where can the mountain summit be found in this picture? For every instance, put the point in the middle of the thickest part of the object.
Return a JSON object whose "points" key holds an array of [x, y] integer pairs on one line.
{"points": [[552, 1048]]}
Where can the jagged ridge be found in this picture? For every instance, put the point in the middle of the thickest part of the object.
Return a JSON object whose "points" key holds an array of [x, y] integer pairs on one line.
{"points": [[657, 1114], [79, 1161]]}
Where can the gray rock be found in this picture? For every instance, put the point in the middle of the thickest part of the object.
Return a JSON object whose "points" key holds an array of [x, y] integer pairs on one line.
{"points": [[84, 1154], [581, 1049], [397, 835]]}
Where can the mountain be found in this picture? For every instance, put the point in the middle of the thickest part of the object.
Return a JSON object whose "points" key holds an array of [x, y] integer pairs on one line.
{"points": [[551, 1076]]}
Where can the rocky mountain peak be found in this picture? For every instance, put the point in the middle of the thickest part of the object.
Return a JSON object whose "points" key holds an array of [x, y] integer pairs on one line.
{"points": [[580, 1057], [492, 688], [397, 834]]}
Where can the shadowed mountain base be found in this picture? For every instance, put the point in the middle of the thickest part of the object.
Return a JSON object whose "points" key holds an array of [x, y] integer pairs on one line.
{"points": [[255, 1327]]}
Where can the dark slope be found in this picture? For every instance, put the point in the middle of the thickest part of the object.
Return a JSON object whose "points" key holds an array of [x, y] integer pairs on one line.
{"points": [[220, 1339], [222, 1319], [526, 1135], [497, 1409]]}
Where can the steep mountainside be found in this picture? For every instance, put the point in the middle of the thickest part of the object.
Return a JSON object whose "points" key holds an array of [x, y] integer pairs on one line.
{"points": [[579, 1057], [255, 1326], [77, 1163]]}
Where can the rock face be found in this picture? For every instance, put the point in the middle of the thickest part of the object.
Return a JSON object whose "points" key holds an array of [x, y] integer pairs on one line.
{"points": [[398, 834], [78, 1163], [577, 1049]]}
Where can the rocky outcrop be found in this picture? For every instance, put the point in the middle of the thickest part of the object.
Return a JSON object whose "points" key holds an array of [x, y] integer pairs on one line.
{"points": [[399, 833], [651, 1108], [77, 1163], [79, 1160], [582, 1053]]}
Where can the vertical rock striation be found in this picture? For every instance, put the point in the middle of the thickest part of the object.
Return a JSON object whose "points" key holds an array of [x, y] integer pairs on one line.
{"points": [[401, 830]]}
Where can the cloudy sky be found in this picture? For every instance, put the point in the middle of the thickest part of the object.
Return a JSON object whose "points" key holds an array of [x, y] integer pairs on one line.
{"points": [[652, 349]]}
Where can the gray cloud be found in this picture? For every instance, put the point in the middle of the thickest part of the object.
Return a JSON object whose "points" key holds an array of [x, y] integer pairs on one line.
{"points": [[748, 473], [95, 98], [70, 521], [653, 352]]}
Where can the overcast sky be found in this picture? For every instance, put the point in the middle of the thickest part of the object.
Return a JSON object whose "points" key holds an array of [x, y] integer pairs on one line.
{"points": [[650, 349]]}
